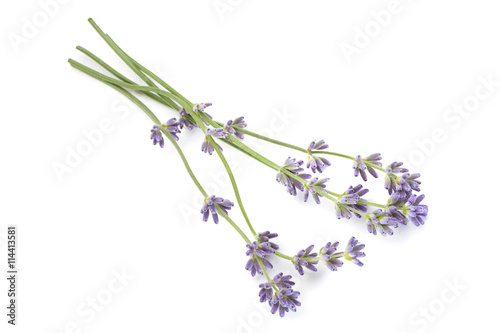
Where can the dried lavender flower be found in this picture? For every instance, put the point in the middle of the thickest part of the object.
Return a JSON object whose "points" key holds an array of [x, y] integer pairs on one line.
{"points": [[317, 163], [313, 186], [185, 120], [331, 258], [157, 136], [255, 253], [301, 260], [380, 221], [291, 184], [232, 127], [284, 300], [414, 210], [350, 199], [210, 206], [201, 106], [353, 251], [362, 164], [207, 146]]}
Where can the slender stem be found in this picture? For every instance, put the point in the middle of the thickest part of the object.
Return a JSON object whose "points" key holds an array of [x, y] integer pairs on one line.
{"points": [[122, 55], [233, 182], [263, 268], [234, 225], [284, 256], [124, 78], [276, 142]]}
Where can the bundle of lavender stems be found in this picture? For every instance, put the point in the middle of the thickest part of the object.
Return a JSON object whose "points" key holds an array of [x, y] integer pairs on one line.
{"points": [[294, 174]]}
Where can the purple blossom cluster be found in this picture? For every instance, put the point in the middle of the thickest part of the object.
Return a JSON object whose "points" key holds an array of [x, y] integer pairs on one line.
{"points": [[210, 207]]}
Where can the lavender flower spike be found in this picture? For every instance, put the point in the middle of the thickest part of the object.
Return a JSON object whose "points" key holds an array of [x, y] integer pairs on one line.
{"points": [[349, 199], [317, 163], [201, 106], [264, 240], [382, 222], [353, 251], [211, 204], [331, 258], [362, 164], [283, 281], [284, 300], [217, 132], [207, 146], [266, 291], [313, 186], [291, 184], [301, 260], [185, 120], [232, 127], [172, 127], [255, 253], [157, 136], [414, 210]]}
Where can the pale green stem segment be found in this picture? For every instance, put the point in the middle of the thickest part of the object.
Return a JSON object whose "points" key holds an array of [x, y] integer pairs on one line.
{"points": [[263, 268]]}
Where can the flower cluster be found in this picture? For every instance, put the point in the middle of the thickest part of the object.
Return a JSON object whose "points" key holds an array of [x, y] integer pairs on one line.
{"points": [[279, 294], [305, 259], [185, 120], [201, 106], [207, 146], [348, 203], [381, 221], [367, 163], [211, 204], [292, 184], [232, 127], [258, 250], [317, 163], [313, 186], [171, 126]]}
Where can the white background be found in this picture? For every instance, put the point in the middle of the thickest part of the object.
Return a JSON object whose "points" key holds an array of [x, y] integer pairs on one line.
{"points": [[130, 206]]}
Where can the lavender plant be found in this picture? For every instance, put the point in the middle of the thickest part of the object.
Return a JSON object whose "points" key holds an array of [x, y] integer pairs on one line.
{"points": [[402, 205]]}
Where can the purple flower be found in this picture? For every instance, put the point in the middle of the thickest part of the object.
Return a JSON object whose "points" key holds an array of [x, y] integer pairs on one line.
{"points": [[257, 253], [279, 294], [329, 257], [353, 251], [217, 132], [201, 107], [207, 146], [303, 259], [390, 180], [232, 127], [414, 210], [313, 186], [283, 281], [284, 300], [362, 164], [350, 199], [186, 120], [291, 184], [211, 204], [157, 136], [172, 127], [380, 221], [317, 163], [266, 291], [264, 240]]}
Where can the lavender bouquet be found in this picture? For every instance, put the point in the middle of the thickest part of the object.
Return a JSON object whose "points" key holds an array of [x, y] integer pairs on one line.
{"points": [[403, 204]]}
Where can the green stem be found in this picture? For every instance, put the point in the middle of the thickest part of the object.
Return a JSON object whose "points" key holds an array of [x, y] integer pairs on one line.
{"points": [[284, 256], [233, 183], [124, 78]]}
